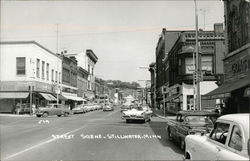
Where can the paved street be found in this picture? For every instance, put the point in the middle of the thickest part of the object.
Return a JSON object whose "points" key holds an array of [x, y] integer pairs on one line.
{"points": [[95, 135]]}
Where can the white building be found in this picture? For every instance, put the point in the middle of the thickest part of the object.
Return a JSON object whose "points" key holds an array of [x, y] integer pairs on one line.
{"points": [[26, 64], [87, 61]]}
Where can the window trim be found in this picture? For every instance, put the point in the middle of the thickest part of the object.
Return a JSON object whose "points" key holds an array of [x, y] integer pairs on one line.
{"points": [[243, 138]]}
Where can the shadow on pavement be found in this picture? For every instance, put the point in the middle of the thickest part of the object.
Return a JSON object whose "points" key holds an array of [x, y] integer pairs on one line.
{"points": [[158, 128]]}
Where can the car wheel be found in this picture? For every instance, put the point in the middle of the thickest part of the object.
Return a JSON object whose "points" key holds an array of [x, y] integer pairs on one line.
{"points": [[59, 115], [169, 134], [149, 119], [66, 114], [182, 144], [127, 121], [38, 115], [45, 114]]}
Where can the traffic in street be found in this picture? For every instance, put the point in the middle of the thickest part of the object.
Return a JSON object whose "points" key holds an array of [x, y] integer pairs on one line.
{"points": [[95, 135]]}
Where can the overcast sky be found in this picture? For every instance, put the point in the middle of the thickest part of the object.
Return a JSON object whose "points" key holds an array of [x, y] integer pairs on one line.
{"points": [[123, 34]]}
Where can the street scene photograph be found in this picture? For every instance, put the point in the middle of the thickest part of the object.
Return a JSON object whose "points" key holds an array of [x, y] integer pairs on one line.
{"points": [[118, 80]]}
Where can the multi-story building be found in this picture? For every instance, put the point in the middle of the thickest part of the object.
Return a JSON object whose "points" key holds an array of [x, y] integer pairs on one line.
{"points": [[235, 90], [29, 73], [175, 66], [152, 68], [69, 81], [87, 61], [82, 82]]}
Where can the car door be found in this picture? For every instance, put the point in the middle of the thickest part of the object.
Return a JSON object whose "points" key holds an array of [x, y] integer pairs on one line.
{"points": [[214, 143], [234, 146]]}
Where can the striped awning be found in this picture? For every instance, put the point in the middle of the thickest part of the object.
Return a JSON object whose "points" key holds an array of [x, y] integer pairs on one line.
{"points": [[48, 96]]}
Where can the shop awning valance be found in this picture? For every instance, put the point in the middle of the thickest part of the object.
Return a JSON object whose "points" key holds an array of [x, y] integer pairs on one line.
{"points": [[74, 98], [225, 89], [13, 95], [48, 96]]}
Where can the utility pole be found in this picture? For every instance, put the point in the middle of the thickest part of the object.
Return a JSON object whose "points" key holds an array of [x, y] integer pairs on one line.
{"points": [[57, 90], [198, 100]]}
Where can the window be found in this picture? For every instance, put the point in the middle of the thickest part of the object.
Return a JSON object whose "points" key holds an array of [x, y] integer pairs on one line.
{"points": [[56, 77], [47, 71], [89, 69], [43, 66], [189, 67], [20, 66], [52, 75], [92, 71], [220, 132], [38, 68], [207, 63], [236, 139], [59, 77]]}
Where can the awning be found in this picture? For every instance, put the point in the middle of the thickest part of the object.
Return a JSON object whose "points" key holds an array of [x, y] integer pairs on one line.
{"points": [[9, 95], [225, 89], [48, 97], [74, 98]]}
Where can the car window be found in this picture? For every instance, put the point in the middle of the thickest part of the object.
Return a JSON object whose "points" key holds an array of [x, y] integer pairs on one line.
{"points": [[220, 132], [236, 139]]}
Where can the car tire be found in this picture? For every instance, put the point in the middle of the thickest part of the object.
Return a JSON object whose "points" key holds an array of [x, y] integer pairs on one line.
{"points": [[66, 114], [127, 121], [45, 114], [38, 115], [169, 134], [59, 115]]}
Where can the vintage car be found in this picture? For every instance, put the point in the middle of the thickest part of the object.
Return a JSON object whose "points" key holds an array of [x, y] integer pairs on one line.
{"points": [[229, 140], [126, 106], [189, 122], [137, 113], [52, 109], [78, 109], [108, 107]]}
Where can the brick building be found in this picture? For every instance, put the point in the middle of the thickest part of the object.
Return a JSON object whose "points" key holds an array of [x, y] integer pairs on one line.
{"points": [[235, 90], [175, 67]]}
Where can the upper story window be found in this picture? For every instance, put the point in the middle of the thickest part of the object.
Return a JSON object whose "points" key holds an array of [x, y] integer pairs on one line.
{"points": [[89, 69], [56, 77], [47, 71], [59, 77], [20, 66], [38, 68], [52, 75], [92, 71], [43, 66]]}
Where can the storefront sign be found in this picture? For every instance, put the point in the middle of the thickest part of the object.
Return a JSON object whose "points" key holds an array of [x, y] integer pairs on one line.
{"points": [[241, 66]]}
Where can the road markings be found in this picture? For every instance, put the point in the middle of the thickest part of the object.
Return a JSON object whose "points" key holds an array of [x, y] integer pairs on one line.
{"points": [[43, 143]]}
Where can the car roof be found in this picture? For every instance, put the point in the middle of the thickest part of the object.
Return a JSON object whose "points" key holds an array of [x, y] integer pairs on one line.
{"points": [[198, 113]]}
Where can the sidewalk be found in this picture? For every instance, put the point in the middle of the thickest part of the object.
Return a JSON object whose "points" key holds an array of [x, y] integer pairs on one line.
{"points": [[15, 115], [160, 114]]}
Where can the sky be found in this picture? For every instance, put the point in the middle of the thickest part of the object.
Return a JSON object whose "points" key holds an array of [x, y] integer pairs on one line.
{"points": [[123, 34]]}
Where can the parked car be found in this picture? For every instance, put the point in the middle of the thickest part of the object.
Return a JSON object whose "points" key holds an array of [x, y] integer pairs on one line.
{"points": [[52, 109], [78, 109], [137, 113], [189, 122], [229, 140], [108, 107]]}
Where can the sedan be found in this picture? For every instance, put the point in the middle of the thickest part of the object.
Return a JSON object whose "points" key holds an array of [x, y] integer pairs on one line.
{"points": [[229, 140], [137, 113]]}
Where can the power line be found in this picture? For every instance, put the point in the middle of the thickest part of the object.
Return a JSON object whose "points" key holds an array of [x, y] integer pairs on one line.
{"points": [[103, 33]]}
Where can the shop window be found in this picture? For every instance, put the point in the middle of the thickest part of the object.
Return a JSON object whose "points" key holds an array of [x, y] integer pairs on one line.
{"points": [[20, 66], [47, 71]]}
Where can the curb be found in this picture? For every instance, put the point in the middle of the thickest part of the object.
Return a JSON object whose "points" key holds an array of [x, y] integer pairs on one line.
{"points": [[14, 115], [162, 117]]}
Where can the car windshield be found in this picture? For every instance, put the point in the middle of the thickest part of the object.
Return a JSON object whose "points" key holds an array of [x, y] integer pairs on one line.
{"points": [[50, 106], [198, 119]]}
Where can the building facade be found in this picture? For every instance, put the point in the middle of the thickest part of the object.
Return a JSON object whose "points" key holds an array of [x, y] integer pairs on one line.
{"points": [[82, 82], [29, 73], [235, 89], [175, 74]]}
